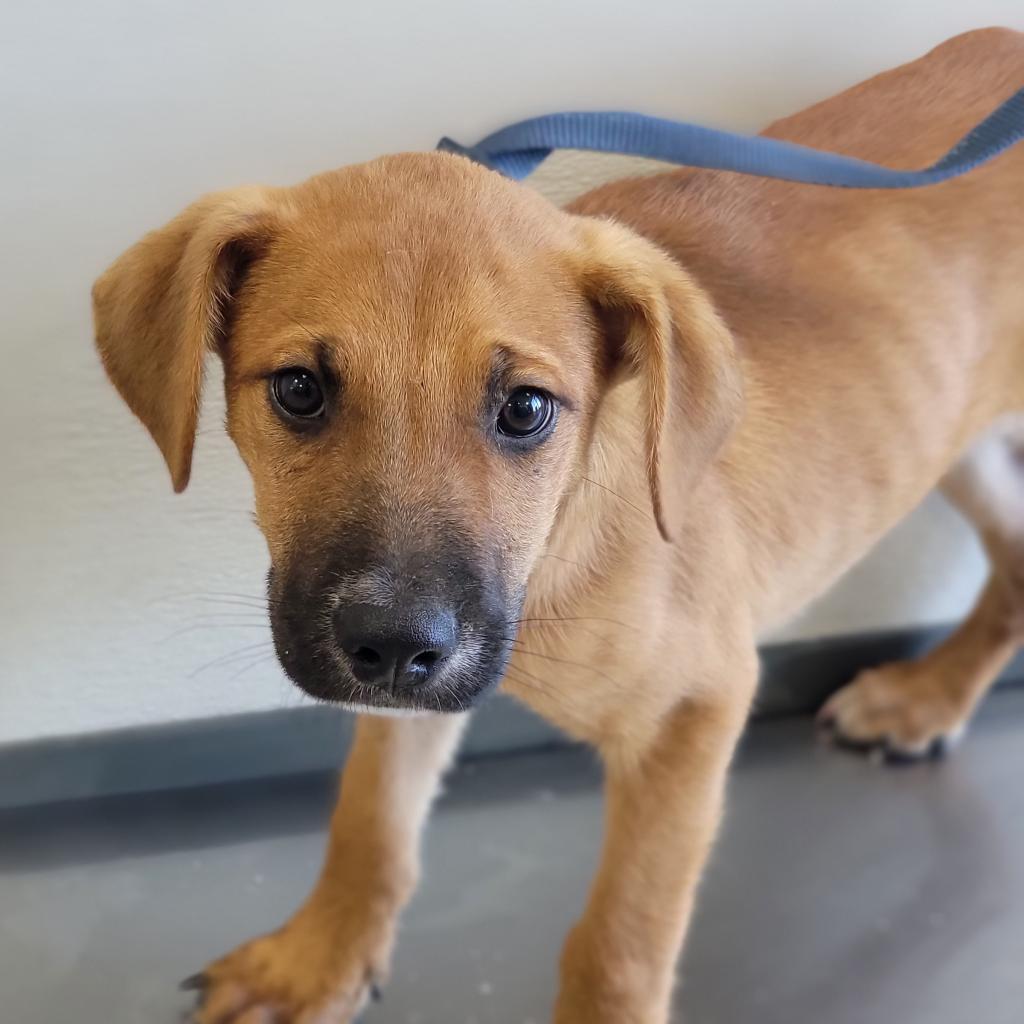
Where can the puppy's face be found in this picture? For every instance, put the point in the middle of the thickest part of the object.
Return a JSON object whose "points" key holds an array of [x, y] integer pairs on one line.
{"points": [[409, 378], [414, 353]]}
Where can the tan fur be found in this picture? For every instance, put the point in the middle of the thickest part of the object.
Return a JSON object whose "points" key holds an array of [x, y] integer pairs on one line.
{"points": [[770, 374]]}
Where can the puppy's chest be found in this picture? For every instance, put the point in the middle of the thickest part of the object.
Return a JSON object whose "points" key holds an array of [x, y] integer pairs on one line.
{"points": [[579, 669]]}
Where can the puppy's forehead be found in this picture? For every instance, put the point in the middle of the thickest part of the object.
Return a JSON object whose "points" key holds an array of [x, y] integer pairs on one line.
{"points": [[409, 259]]}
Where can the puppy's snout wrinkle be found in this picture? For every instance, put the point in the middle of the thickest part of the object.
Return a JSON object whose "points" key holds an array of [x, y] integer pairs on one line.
{"points": [[393, 647]]}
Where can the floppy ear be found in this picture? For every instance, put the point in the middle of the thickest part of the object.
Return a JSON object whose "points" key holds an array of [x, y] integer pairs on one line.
{"points": [[161, 307], [661, 329]]}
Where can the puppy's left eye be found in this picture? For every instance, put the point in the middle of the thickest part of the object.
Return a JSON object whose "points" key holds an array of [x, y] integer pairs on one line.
{"points": [[526, 413]]}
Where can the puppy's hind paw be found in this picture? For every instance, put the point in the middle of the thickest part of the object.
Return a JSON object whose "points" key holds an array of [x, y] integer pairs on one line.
{"points": [[900, 713]]}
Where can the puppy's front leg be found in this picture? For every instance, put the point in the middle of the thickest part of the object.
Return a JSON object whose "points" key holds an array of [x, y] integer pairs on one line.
{"points": [[663, 808], [322, 965]]}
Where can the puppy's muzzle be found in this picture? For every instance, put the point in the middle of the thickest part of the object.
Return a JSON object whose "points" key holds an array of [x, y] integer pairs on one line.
{"points": [[393, 622], [396, 649]]}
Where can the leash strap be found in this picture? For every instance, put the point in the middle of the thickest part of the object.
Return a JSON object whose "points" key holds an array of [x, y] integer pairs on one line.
{"points": [[517, 150]]}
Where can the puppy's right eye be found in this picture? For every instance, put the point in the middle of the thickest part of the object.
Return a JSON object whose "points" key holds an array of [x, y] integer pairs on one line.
{"points": [[297, 393]]}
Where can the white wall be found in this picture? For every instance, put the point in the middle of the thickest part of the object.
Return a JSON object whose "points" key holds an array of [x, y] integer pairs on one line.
{"points": [[115, 113]]}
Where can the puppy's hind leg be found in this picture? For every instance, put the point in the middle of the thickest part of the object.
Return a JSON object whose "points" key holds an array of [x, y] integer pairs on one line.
{"points": [[918, 708]]}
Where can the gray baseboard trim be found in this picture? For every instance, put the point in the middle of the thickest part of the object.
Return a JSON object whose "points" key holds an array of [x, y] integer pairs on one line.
{"points": [[796, 678]]}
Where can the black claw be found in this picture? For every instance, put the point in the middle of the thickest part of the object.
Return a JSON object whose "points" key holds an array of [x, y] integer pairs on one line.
{"points": [[194, 983], [900, 758], [938, 749], [375, 993], [844, 742]]}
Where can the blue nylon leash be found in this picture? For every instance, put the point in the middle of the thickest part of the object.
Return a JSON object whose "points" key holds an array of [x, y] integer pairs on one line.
{"points": [[517, 150]]}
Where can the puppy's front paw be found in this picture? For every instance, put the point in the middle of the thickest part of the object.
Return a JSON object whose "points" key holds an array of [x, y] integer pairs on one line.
{"points": [[305, 973], [903, 709]]}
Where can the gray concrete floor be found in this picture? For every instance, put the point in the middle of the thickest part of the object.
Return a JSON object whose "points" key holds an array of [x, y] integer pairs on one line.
{"points": [[842, 892]]}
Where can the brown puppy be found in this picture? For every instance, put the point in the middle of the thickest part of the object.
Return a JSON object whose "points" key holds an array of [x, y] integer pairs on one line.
{"points": [[588, 455]]}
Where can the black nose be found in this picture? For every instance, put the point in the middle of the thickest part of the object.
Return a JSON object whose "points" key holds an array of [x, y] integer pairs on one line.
{"points": [[395, 649]]}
